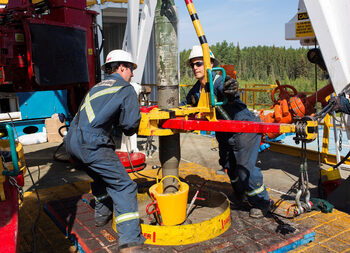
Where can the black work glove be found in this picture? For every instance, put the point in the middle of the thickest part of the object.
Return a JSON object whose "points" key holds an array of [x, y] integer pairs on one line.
{"points": [[336, 102], [231, 88]]}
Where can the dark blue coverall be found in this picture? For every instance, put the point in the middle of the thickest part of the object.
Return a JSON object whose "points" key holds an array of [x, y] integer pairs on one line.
{"points": [[344, 104], [238, 152], [112, 102]]}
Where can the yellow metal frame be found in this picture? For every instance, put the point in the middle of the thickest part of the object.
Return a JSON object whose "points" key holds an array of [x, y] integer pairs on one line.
{"points": [[149, 124], [5, 146], [185, 234]]}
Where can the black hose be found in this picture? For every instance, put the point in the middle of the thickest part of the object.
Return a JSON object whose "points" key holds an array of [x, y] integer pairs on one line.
{"points": [[60, 146], [342, 161]]}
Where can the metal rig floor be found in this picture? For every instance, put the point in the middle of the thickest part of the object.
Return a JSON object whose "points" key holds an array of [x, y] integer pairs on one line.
{"points": [[59, 181]]}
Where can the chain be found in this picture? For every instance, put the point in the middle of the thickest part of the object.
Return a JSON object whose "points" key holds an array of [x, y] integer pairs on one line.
{"points": [[340, 138], [303, 178], [13, 181], [3, 163], [341, 132]]}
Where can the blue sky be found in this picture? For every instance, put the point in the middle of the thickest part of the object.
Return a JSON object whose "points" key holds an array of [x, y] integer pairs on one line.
{"points": [[249, 22]]}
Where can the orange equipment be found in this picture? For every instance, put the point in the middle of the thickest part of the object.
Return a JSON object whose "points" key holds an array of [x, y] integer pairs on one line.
{"points": [[230, 70], [291, 105]]}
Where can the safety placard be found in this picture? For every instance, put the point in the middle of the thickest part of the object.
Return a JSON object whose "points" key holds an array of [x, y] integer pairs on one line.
{"points": [[304, 29], [303, 16]]}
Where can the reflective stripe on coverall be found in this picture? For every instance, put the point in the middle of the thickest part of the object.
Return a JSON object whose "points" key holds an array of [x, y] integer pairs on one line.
{"points": [[238, 152], [112, 102]]}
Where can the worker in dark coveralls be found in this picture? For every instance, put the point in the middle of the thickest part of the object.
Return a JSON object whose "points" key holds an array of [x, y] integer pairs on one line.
{"points": [[238, 152], [110, 103]]}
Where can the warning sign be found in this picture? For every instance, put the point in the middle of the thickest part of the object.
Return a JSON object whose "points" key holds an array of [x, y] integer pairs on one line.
{"points": [[304, 29], [303, 16]]}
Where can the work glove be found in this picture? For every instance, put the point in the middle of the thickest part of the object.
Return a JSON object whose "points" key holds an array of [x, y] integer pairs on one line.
{"points": [[336, 102], [231, 88], [340, 103]]}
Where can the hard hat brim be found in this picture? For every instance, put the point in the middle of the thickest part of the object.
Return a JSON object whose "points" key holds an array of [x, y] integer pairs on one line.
{"points": [[215, 61], [103, 67]]}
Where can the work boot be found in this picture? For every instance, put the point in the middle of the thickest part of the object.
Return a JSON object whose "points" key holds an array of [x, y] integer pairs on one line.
{"points": [[238, 200], [103, 212], [258, 213], [101, 220]]}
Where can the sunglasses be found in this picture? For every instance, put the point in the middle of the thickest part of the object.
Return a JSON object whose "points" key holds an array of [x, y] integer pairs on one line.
{"points": [[129, 66], [197, 64]]}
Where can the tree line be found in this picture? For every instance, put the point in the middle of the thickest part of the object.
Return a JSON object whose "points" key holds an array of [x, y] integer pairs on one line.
{"points": [[263, 64]]}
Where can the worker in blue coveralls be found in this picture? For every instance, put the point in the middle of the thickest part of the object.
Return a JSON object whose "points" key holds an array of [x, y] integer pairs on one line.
{"points": [[110, 103], [238, 152]]}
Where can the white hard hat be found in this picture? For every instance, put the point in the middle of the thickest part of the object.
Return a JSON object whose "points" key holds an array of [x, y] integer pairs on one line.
{"points": [[197, 51], [118, 55]]}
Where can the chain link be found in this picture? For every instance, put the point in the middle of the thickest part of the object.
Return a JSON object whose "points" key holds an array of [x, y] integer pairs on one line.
{"points": [[13, 181], [341, 134]]}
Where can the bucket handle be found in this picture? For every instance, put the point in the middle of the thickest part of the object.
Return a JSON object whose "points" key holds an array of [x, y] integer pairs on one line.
{"points": [[170, 176]]}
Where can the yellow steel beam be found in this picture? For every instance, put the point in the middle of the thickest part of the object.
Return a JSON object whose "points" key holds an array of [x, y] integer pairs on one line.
{"points": [[311, 154]]}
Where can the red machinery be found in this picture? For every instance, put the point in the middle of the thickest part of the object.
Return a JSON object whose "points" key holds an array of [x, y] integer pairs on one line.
{"points": [[47, 46]]}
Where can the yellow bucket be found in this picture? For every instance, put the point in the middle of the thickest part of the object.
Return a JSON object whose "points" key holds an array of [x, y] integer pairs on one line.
{"points": [[172, 206]]}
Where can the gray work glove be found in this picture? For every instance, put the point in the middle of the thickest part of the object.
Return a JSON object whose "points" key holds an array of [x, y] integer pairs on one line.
{"points": [[336, 102], [231, 88]]}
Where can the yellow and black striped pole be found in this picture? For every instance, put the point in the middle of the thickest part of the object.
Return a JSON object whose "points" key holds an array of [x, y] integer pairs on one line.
{"points": [[201, 36], [204, 100]]}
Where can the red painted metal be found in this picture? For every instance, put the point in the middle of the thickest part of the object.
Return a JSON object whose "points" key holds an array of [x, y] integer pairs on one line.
{"points": [[9, 233], [147, 109], [221, 126], [20, 180], [137, 159], [16, 61]]}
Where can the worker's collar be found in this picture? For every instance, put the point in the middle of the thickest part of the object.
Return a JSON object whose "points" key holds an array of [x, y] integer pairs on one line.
{"points": [[114, 76]]}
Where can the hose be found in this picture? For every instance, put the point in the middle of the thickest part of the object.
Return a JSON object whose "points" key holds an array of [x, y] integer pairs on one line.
{"points": [[133, 169], [55, 157]]}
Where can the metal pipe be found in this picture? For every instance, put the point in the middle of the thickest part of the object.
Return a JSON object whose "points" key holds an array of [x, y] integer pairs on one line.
{"points": [[168, 86]]}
